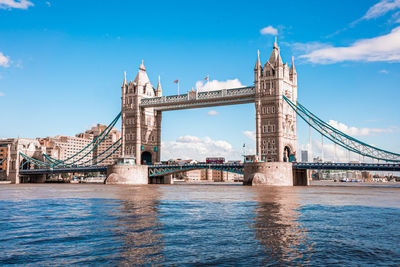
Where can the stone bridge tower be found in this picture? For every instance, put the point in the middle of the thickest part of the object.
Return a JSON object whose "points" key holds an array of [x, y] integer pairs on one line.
{"points": [[141, 128], [275, 121]]}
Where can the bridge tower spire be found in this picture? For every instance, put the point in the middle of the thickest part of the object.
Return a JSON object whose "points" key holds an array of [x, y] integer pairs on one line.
{"points": [[275, 122], [141, 127], [159, 88]]}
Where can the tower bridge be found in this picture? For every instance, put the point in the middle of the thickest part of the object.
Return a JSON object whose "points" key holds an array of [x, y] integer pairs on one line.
{"points": [[276, 138], [274, 95]]}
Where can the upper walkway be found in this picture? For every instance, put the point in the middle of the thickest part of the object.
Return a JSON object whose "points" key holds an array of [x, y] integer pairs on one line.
{"points": [[195, 99]]}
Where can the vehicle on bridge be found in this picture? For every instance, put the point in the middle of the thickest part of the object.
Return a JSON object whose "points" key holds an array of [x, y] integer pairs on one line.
{"points": [[219, 160]]}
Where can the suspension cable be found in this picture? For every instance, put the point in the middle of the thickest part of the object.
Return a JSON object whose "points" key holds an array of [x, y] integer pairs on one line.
{"points": [[333, 134], [105, 133]]}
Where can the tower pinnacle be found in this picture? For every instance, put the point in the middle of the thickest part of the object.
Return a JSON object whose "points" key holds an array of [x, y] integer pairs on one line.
{"points": [[275, 57], [124, 83], [292, 68], [142, 66], [159, 88], [258, 63]]}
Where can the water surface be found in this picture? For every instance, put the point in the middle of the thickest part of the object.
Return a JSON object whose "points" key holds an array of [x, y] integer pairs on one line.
{"points": [[57, 224]]}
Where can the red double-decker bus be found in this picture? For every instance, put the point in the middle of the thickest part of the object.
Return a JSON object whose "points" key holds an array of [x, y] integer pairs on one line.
{"points": [[215, 160]]}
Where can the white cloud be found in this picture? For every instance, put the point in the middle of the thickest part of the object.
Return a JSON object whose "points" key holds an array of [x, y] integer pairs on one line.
{"points": [[395, 18], [21, 4], [384, 71], [193, 147], [250, 134], [188, 139], [306, 47], [381, 48], [48, 3], [269, 30], [1, 94], [381, 9], [354, 131], [212, 113], [218, 85], [3, 60]]}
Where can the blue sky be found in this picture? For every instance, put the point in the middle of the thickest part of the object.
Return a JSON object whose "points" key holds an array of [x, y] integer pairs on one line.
{"points": [[62, 64]]}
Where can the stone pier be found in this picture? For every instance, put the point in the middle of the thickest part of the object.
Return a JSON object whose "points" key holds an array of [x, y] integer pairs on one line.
{"points": [[268, 173], [125, 171]]}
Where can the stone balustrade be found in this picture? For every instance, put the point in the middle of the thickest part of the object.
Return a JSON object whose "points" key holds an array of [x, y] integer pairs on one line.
{"points": [[201, 96]]}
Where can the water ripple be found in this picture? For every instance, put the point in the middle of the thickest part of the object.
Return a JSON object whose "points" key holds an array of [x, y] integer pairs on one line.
{"points": [[198, 225]]}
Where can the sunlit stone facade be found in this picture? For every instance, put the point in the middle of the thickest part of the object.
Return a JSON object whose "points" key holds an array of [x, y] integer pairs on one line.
{"points": [[275, 120], [141, 127]]}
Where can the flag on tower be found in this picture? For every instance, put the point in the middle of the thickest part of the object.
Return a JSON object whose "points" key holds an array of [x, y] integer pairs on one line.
{"points": [[206, 78], [177, 82]]}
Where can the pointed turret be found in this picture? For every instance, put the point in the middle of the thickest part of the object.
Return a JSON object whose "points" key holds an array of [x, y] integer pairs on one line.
{"points": [[292, 68], [258, 63], [124, 86], [293, 74], [141, 78], [275, 58], [159, 88], [258, 69], [124, 83]]}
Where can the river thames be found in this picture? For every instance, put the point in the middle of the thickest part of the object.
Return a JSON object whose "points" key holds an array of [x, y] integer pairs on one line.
{"points": [[67, 224]]}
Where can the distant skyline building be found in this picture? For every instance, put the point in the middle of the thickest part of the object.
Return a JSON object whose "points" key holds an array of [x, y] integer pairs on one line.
{"points": [[100, 152], [210, 175], [13, 162], [63, 147], [304, 155]]}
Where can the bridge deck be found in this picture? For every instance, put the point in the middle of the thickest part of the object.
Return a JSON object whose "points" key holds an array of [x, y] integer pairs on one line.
{"points": [[347, 166], [157, 170]]}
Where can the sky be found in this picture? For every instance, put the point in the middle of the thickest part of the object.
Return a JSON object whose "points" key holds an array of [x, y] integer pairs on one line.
{"points": [[62, 64]]}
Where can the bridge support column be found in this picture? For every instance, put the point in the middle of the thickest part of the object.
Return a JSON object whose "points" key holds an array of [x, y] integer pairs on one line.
{"points": [[125, 172], [13, 167], [301, 177], [268, 173], [168, 179]]}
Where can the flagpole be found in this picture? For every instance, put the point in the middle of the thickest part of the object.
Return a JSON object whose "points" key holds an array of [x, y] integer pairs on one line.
{"points": [[178, 87]]}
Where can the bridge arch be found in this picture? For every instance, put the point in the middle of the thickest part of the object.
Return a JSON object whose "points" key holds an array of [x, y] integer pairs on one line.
{"points": [[288, 153], [25, 164], [146, 158]]}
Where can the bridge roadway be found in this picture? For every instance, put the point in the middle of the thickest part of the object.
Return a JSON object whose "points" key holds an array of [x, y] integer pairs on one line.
{"points": [[159, 170]]}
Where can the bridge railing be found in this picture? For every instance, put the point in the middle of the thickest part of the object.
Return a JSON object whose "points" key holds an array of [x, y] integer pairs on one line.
{"points": [[347, 166], [215, 94], [164, 169]]}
